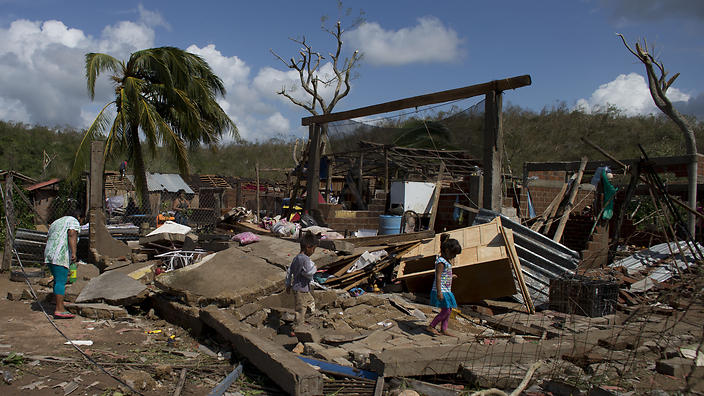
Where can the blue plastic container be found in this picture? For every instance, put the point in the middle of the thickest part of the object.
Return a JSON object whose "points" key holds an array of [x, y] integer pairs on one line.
{"points": [[389, 225]]}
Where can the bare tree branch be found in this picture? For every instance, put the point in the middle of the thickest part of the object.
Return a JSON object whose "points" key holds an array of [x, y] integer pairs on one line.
{"points": [[308, 63], [658, 86]]}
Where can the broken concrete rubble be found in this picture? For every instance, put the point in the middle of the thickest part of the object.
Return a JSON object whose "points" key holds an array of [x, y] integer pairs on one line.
{"points": [[282, 366], [231, 277], [113, 288]]}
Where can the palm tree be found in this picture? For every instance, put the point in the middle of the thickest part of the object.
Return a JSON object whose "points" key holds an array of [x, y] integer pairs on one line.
{"points": [[163, 96]]}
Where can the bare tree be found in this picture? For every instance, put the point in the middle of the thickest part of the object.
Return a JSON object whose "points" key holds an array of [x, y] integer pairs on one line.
{"points": [[659, 84], [308, 62]]}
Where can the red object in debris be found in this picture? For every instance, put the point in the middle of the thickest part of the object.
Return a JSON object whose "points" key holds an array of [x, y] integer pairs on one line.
{"points": [[158, 270]]}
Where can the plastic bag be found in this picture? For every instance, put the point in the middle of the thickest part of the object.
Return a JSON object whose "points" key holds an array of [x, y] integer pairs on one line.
{"points": [[245, 238], [285, 228]]}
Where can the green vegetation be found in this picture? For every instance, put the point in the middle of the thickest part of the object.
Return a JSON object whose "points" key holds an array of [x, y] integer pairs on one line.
{"points": [[551, 135]]}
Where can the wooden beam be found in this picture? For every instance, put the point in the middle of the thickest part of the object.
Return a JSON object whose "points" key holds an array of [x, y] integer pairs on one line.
{"points": [[467, 208], [256, 168], [436, 198], [570, 201], [493, 152], [422, 100], [96, 175], [388, 239], [29, 204], [313, 180], [9, 221]]}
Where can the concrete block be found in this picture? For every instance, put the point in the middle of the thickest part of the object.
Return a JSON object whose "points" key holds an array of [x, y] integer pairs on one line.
{"points": [[97, 311], [678, 367], [257, 319], [323, 298], [244, 311], [306, 334], [281, 366], [178, 314], [320, 351]]}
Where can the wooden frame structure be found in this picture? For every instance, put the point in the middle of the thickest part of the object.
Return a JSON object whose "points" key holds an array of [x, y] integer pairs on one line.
{"points": [[493, 133]]}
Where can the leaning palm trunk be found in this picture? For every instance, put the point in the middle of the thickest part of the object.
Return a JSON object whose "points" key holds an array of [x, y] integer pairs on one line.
{"points": [[165, 94]]}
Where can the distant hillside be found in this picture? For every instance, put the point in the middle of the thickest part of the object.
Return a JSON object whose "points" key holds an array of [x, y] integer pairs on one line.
{"points": [[551, 135]]}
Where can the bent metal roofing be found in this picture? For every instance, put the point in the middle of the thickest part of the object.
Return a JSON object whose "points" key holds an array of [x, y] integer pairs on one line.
{"points": [[170, 182]]}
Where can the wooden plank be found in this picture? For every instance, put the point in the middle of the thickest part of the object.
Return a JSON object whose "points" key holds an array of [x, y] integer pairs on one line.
{"points": [[570, 201], [181, 382], [313, 181], [422, 100], [379, 386], [389, 239], [551, 209], [467, 208], [516, 262], [436, 197]]}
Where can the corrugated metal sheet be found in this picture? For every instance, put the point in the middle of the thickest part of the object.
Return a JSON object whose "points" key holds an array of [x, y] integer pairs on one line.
{"points": [[541, 258], [653, 259], [170, 182]]}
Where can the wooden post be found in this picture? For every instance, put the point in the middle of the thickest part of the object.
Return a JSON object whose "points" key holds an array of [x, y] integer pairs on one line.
{"points": [[313, 180], [96, 175], [360, 186], [635, 178], [10, 223], [257, 170], [570, 201], [436, 198], [328, 182], [493, 151], [95, 201], [386, 171]]}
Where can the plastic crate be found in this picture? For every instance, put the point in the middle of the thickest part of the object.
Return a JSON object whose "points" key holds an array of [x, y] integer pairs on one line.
{"points": [[583, 296]]}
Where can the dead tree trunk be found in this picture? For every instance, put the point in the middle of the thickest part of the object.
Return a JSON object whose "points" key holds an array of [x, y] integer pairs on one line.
{"points": [[658, 85]]}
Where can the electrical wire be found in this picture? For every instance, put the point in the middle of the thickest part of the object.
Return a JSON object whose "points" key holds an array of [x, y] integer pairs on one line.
{"points": [[51, 321]]}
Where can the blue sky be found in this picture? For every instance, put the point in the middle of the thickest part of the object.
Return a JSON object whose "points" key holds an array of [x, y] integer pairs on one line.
{"points": [[569, 48]]}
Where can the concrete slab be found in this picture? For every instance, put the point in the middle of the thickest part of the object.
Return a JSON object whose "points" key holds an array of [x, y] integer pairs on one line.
{"points": [[102, 243], [447, 359], [97, 311], [281, 366], [179, 314], [279, 251], [231, 277], [114, 288]]}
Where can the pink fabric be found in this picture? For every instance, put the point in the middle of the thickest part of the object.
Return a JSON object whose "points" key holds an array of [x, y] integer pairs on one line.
{"points": [[245, 238], [444, 317]]}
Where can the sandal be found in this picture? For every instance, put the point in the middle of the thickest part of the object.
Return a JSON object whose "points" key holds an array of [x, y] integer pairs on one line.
{"points": [[64, 315], [432, 330]]}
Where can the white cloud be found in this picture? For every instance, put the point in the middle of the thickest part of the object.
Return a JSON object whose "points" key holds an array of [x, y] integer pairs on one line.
{"points": [[151, 18], [428, 42], [629, 93], [41, 68], [246, 101], [43, 80]]}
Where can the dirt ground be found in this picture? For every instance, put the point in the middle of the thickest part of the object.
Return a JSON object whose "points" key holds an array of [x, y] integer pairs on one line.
{"points": [[123, 347]]}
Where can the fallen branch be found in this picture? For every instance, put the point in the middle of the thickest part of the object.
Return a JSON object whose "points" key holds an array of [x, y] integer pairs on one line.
{"points": [[517, 391]]}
